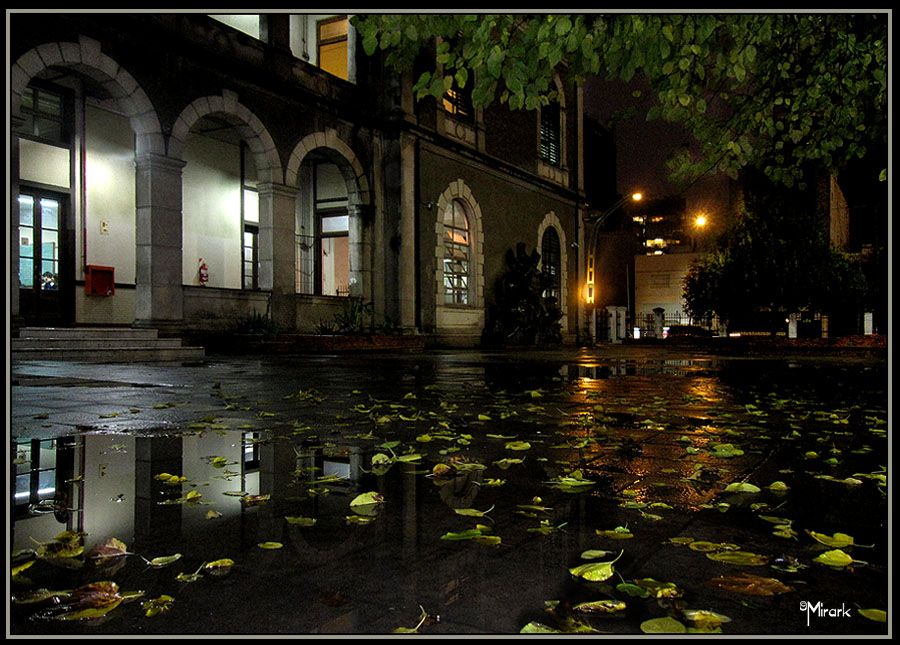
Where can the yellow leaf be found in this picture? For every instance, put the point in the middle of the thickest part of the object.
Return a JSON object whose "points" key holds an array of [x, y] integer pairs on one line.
{"points": [[834, 558], [878, 615], [837, 541]]}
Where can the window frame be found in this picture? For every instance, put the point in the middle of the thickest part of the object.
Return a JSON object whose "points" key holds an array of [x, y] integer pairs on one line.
{"points": [[457, 291], [550, 144], [551, 264], [344, 38], [31, 115]]}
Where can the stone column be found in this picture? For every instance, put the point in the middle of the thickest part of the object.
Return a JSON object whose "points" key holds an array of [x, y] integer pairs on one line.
{"points": [[159, 301], [360, 252], [407, 261], [278, 250]]}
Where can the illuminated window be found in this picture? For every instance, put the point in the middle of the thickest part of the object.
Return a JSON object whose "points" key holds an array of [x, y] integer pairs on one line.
{"points": [[551, 134], [458, 102], [457, 245], [35, 471], [332, 45]]}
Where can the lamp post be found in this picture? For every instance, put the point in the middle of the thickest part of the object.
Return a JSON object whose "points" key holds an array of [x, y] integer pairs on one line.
{"points": [[590, 284]]}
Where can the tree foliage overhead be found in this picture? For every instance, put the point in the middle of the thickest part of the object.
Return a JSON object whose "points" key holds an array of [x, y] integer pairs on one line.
{"points": [[773, 91]]}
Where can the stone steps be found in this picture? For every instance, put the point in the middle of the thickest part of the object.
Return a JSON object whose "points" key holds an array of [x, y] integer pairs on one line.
{"points": [[99, 345]]}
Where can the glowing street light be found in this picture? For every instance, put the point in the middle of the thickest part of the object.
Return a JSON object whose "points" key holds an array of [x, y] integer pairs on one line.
{"points": [[590, 291], [700, 221]]}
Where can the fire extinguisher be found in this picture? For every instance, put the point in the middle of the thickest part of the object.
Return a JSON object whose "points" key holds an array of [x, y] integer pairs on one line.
{"points": [[203, 273]]}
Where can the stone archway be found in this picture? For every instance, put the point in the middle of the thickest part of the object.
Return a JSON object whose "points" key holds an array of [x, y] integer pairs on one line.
{"points": [[252, 131], [328, 145], [87, 59], [551, 220]]}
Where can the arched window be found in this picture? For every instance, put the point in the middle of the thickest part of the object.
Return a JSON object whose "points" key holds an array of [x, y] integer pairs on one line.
{"points": [[551, 265], [457, 254]]}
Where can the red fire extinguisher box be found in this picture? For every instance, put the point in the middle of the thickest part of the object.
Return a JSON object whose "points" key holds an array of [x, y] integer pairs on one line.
{"points": [[99, 280]]}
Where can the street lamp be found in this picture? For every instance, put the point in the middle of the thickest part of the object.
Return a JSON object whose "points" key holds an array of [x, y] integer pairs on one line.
{"points": [[596, 223], [700, 222]]}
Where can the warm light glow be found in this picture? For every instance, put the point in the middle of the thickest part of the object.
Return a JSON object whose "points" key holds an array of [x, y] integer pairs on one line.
{"points": [[637, 197], [700, 221], [589, 293]]}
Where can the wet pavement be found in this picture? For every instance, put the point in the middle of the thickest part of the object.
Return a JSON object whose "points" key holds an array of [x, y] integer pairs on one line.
{"points": [[725, 485]]}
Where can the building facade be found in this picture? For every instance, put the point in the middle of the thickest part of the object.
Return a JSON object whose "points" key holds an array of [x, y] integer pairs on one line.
{"points": [[185, 171]]}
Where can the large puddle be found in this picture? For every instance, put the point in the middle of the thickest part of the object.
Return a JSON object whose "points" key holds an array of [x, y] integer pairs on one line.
{"points": [[461, 494]]}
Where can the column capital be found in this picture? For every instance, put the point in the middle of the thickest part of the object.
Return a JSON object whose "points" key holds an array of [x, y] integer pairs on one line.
{"points": [[271, 188], [157, 161]]}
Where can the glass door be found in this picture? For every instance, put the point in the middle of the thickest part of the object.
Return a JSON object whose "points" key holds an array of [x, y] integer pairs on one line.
{"points": [[41, 245]]}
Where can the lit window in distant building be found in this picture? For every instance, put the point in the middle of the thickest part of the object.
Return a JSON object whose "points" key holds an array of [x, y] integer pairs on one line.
{"points": [[457, 246], [551, 263], [332, 45], [551, 134]]}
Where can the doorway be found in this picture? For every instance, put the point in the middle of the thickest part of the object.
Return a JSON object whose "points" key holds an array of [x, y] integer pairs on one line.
{"points": [[46, 284]]}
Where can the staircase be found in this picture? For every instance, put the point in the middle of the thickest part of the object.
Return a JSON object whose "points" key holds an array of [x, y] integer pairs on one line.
{"points": [[99, 345]]}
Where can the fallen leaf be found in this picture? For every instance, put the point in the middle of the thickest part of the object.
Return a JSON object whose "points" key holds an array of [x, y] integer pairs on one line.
{"points": [[366, 499], [158, 606], [741, 558], [632, 590], [164, 561], [188, 577], [538, 628], [301, 521], [658, 589], [91, 601], [518, 445], [741, 487], [39, 596], [838, 540], [600, 607], [219, 567], [506, 463], [665, 625], [270, 545], [593, 554], [706, 620], [472, 512], [750, 585], [878, 615], [618, 533], [834, 558]]}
